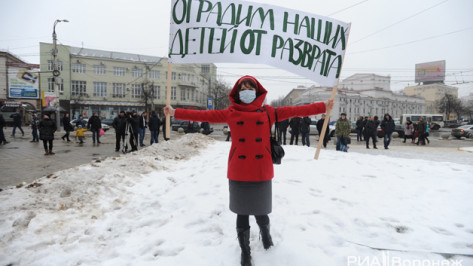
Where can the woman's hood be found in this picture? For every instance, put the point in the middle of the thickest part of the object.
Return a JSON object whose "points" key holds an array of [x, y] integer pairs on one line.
{"points": [[256, 104]]}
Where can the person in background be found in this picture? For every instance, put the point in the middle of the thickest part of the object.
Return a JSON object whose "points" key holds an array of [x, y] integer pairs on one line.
{"points": [[250, 166], [320, 125], [80, 134], [17, 121], [142, 128], [305, 130], [133, 121], [80, 121], [94, 125], [426, 134], [119, 124], [282, 131], [66, 122], [421, 128], [295, 125], [2, 134], [47, 127], [387, 125], [342, 130], [371, 130], [34, 127], [154, 124], [359, 129], [409, 131]]}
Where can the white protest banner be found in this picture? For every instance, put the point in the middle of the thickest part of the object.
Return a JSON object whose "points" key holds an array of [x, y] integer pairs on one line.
{"points": [[210, 31]]}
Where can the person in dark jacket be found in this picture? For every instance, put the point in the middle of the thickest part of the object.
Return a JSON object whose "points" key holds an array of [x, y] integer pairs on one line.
{"points": [[34, 127], [47, 127], [94, 125], [371, 130], [282, 131], [142, 128], [250, 166], [387, 125], [17, 121], [320, 125], [133, 121], [66, 122], [119, 124], [2, 134], [154, 124], [359, 129], [295, 125], [421, 128], [305, 130]]}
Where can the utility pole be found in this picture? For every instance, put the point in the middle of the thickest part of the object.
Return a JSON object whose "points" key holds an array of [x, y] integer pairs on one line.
{"points": [[56, 72]]}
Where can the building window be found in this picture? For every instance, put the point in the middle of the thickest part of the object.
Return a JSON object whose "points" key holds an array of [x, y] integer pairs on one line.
{"points": [[50, 65], [119, 71], [118, 90], [100, 70], [205, 68], [154, 74], [137, 72], [78, 88], [193, 95], [136, 91], [183, 94], [78, 68], [173, 93], [157, 92], [173, 75], [51, 87], [100, 89]]}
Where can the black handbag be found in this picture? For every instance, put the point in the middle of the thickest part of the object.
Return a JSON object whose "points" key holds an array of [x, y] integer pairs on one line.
{"points": [[277, 152]]}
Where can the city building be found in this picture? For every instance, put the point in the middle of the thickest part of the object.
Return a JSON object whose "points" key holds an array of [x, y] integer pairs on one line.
{"points": [[293, 95], [431, 92], [356, 99], [19, 84], [107, 82]]}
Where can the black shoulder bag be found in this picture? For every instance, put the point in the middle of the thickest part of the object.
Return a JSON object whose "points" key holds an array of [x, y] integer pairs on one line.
{"points": [[277, 152]]}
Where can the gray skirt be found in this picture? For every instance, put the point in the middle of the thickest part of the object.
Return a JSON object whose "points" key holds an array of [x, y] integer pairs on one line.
{"points": [[250, 198]]}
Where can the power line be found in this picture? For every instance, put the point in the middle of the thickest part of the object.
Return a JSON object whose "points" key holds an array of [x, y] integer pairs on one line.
{"points": [[395, 23], [341, 10], [406, 43]]}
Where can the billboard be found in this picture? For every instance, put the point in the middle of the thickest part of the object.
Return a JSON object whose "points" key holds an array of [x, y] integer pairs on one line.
{"points": [[430, 72], [23, 83], [49, 99]]}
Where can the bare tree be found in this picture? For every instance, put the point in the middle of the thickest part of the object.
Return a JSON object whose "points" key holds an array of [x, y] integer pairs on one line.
{"points": [[449, 104], [219, 92], [147, 95], [279, 102]]}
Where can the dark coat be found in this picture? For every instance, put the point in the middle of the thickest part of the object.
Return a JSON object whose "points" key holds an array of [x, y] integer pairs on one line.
{"points": [[47, 127], [359, 124], [119, 124], [295, 125], [250, 153], [421, 127], [283, 125], [154, 123], [320, 124], [94, 123], [35, 122], [371, 128], [133, 121], [2, 121], [387, 124], [16, 119], [305, 124], [66, 121], [142, 122]]}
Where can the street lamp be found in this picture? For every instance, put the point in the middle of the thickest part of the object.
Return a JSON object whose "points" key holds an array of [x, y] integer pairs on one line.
{"points": [[56, 72]]}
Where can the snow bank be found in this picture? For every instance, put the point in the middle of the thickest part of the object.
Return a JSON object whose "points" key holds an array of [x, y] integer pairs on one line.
{"points": [[168, 205]]}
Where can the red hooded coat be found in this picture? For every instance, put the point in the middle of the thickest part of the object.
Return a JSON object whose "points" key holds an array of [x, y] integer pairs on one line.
{"points": [[250, 153]]}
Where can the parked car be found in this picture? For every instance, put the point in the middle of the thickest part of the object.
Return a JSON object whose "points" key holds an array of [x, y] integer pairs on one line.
{"points": [[188, 126], [313, 128], [397, 128], [463, 131], [105, 127], [108, 121]]}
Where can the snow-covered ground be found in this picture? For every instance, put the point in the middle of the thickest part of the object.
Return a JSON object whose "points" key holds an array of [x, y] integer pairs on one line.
{"points": [[168, 205]]}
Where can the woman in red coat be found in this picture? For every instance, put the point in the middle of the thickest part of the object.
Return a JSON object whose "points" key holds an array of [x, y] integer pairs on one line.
{"points": [[250, 167]]}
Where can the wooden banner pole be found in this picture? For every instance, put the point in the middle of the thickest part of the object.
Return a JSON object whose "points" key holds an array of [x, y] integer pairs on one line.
{"points": [[329, 110], [168, 100]]}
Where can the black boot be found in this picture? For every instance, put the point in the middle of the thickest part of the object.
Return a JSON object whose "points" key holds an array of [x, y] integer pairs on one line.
{"points": [[244, 241], [265, 236]]}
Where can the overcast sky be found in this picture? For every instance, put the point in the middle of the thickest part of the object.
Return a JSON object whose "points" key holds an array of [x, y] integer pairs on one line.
{"points": [[387, 37]]}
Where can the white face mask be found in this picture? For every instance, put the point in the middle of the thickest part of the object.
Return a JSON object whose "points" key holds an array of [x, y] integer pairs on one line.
{"points": [[247, 96]]}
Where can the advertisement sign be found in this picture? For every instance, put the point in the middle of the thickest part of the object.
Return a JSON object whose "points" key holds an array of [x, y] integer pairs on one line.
{"points": [[212, 31], [23, 83], [49, 99], [209, 103], [431, 71]]}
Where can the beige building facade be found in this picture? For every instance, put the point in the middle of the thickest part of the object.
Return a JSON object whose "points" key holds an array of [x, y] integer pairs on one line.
{"points": [[108, 82], [431, 93]]}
